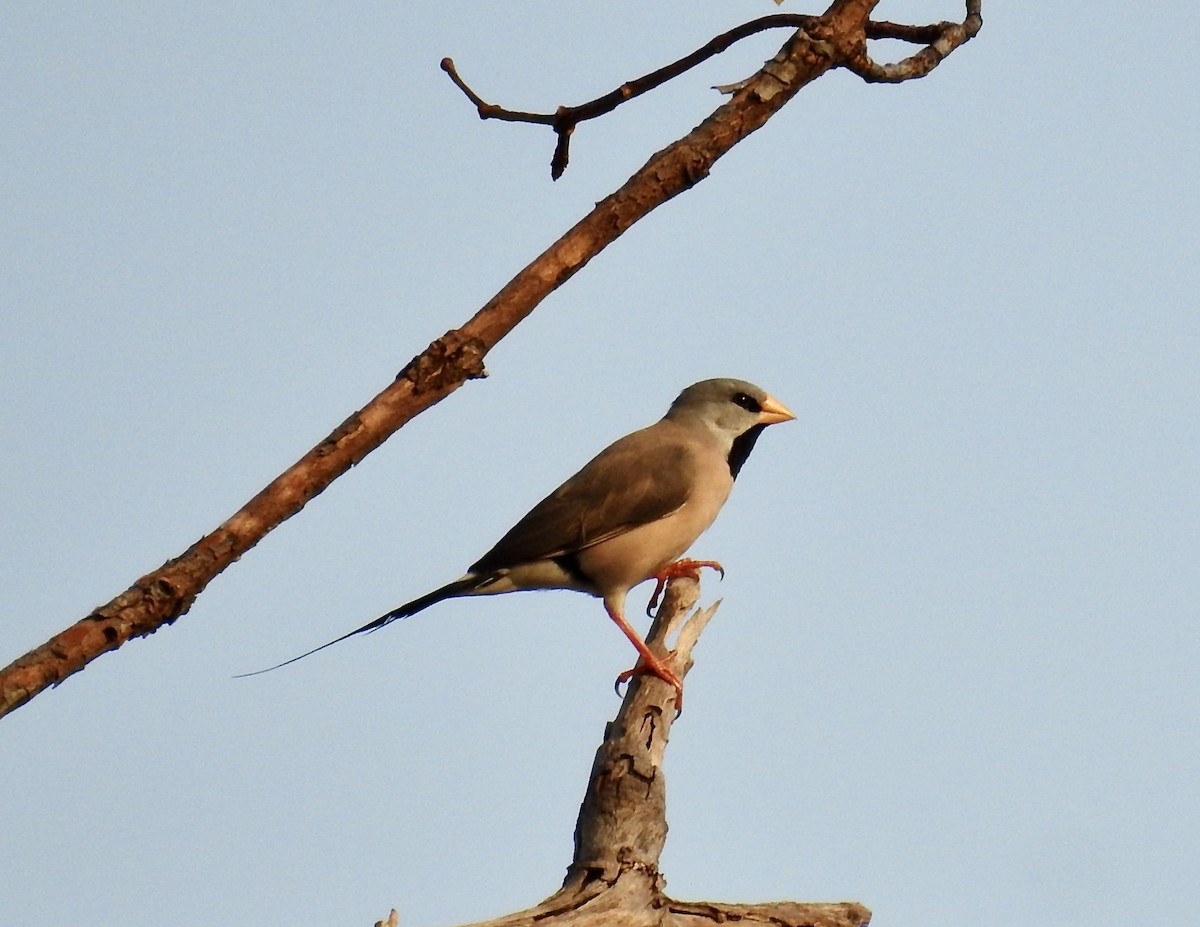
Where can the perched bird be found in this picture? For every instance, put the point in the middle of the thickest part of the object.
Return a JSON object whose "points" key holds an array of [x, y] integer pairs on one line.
{"points": [[627, 516]]}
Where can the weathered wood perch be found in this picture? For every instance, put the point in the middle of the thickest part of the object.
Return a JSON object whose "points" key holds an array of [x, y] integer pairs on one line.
{"points": [[614, 879]]}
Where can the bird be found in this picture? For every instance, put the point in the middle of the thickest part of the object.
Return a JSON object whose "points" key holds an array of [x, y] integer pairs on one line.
{"points": [[627, 516]]}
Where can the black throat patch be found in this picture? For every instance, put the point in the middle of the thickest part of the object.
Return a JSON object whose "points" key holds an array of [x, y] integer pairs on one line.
{"points": [[743, 444]]}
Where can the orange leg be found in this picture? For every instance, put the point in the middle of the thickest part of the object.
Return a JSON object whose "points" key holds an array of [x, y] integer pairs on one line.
{"points": [[648, 663], [688, 568]]}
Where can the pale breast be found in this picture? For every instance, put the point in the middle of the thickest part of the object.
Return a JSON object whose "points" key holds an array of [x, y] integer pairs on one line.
{"points": [[632, 557]]}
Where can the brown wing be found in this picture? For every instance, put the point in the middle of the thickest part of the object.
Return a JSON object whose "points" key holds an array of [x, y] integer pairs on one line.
{"points": [[641, 478]]}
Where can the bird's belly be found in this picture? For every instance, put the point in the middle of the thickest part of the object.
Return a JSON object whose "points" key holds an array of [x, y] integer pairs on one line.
{"points": [[622, 562]]}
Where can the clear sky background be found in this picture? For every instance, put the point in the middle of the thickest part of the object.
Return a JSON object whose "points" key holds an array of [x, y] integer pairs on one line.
{"points": [[955, 674]]}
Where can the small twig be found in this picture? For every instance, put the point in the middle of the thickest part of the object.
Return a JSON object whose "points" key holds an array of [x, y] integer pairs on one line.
{"points": [[491, 110], [940, 39], [565, 118], [918, 35]]}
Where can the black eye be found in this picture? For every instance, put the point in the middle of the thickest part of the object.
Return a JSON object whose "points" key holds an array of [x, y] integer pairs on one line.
{"points": [[749, 403]]}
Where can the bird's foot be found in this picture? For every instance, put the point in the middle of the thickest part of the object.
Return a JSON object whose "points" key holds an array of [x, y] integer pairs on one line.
{"points": [[655, 667], [685, 567]]}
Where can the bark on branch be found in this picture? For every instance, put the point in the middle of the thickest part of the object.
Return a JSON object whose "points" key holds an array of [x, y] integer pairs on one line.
{"points": [[614, 879], [939, 39], [834, 39]]}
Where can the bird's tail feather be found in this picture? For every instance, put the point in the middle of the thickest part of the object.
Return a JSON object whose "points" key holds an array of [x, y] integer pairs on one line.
{"points": [[464, 586]]}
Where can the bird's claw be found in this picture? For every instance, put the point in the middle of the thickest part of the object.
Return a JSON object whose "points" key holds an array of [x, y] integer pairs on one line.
{"points": [[657, 670], [685, 567]]}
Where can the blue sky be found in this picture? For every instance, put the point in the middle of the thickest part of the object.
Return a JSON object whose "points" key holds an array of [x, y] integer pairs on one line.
{"points": [[954, 673]]}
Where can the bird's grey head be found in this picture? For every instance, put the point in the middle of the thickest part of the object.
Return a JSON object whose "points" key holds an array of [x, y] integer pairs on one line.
{"points": [[736, 411]]}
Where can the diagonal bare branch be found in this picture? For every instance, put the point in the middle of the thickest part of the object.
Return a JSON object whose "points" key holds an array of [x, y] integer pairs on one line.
{"points": [[165, 594]]}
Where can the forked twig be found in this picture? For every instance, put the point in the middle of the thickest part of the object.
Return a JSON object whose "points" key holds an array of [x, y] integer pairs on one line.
{"points": [[565, 118], [939, 39]]}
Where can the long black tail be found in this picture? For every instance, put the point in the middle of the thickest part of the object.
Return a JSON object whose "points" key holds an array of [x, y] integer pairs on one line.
{"points": [[464, 586]]}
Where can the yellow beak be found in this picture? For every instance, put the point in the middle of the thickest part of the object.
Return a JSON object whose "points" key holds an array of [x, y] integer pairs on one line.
{"points": [[774, 411]]}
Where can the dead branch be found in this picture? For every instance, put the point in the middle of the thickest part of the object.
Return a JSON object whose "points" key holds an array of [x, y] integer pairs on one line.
{"points": [[163, 595], [566, 118], [614, 877], [940, 39]]}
